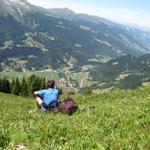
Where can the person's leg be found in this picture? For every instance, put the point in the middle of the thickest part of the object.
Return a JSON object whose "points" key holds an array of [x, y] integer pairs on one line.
{"points": [[55, 107], [38, 101]]}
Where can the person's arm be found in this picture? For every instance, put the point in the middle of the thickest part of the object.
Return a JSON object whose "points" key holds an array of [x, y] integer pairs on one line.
{"points": [[40, 93], [36, 92]]}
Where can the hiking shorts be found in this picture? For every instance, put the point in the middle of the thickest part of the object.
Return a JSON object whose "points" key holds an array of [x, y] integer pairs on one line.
{"points": [[46, 108]]}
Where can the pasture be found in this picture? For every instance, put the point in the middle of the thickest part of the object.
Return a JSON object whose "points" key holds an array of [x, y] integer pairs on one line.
{"points": [[114, 120]]}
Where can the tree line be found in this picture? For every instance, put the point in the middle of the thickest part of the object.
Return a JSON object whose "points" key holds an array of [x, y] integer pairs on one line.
{"points": [[24, 87]]}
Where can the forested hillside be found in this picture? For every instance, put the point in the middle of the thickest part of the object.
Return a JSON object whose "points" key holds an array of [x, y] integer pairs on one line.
{"points": [[34, 38]]}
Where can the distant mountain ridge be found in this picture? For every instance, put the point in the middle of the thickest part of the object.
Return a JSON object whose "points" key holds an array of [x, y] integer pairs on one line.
{"points": [[34, 38]]}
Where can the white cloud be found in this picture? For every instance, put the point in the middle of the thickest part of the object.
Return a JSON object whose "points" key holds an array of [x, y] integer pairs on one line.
{"points": [[121, 15]]}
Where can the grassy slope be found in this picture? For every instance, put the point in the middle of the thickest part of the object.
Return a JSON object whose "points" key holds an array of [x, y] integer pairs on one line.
{"points": [[114, 120]]}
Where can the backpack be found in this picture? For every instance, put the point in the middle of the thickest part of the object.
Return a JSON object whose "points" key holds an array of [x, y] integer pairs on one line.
{"points": [[68, 106]]}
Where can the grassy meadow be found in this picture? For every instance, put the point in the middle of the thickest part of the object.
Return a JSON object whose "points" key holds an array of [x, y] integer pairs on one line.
{"points": [[114, 120]]}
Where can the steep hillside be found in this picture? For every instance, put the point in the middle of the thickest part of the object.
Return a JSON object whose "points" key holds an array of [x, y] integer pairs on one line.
{"points": [[33, 38], [129, 70], [141, 36]]}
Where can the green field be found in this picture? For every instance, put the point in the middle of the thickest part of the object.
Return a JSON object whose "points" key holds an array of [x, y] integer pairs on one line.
{"points": [[45, 74], [114, 120]]}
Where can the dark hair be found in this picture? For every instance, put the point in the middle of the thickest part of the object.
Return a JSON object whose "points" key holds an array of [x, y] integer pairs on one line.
{"points": [[51, 84]]}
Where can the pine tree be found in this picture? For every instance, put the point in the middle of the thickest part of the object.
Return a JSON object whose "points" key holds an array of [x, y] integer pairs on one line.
{"points": [[0, 85], [12, 85], [16, 88], [43, 83], [4, 86], [34, 84], [24, 88], [7, 85]]}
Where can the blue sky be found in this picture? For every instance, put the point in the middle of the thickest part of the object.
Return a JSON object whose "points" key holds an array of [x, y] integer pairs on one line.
{"points": [[123, 11]]}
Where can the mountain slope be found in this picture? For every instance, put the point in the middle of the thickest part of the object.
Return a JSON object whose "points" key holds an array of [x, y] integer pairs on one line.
{"points": [[33, 38], [122, 69], [141, 36]]}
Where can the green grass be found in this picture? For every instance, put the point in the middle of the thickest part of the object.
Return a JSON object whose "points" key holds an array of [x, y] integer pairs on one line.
{"points": [[45, 74], [116, 120]]}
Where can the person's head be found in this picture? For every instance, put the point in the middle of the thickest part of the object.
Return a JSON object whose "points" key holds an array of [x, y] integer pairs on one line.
{"points": [[51, 84]]}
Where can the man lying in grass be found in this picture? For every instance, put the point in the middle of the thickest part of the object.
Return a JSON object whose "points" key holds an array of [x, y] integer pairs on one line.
{"points": [[47, 99]]}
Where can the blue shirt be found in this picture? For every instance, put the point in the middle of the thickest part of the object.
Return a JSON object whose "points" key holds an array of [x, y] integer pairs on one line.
{"points": [[49, 95]]}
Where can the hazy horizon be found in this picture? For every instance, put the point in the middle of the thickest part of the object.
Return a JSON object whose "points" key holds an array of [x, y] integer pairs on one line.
{"points": [[135, 12]]}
